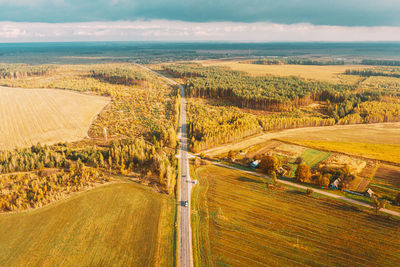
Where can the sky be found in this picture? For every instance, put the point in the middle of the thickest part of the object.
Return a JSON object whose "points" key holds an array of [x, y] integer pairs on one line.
{"points": [[195, 20]]}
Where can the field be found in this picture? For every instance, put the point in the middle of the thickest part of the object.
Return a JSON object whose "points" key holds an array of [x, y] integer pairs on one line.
{"points": [[118, 224], [28, 116], [373, 134], [238, 222], [325, 73], [383, 152], [388, 175], [312, 157]]}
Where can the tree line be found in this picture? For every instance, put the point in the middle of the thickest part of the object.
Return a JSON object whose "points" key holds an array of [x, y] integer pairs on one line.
{"points": [[18, 71], [297, 61], [374, 72], [380, 62], [120, 75]]}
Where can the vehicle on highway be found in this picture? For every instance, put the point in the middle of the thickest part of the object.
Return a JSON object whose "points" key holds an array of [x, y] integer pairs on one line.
{"points": [[185, 203]]}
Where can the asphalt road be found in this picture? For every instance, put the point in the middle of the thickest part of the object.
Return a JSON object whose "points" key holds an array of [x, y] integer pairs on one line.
{"points": [[185, 185]]}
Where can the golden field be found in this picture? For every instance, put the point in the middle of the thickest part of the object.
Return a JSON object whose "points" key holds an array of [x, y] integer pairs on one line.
{"points": [[118, 224], [29, 116]]}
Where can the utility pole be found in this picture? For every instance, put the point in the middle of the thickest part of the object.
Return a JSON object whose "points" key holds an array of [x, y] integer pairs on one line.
{"points": [[105, 133]]}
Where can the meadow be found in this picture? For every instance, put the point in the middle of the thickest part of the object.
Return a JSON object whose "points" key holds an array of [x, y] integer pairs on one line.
{"points": [[237, 221], [118, 224], [29, 116]]}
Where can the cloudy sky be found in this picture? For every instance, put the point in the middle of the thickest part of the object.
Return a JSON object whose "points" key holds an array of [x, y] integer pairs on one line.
{"points": [[199, 20]]}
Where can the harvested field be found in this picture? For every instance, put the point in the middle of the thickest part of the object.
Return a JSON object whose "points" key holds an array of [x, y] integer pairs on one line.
{"points": [[339, 161], [369, 170], [238, 222], [288, 150], [29, 116], [359, 184], [264, 149], [312, 157], [324, 73], [119, 224], [388, 175]]}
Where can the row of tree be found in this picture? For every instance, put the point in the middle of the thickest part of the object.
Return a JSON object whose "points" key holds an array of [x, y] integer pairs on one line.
{"points": [[380, 62], [297, 61], [374, 72]]}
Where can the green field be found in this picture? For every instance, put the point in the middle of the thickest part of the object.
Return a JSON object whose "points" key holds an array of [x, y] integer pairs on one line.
{"points": [[312, 157], [119, 224], [238, 222]]}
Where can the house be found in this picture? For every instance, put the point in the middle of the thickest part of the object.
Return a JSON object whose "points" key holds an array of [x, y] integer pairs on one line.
{"points": [[255, 163], [281, 171], [335, 184], [369, 193]]}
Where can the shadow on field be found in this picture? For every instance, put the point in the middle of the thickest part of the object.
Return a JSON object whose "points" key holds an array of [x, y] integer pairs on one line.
{"points": [[246, 179]]}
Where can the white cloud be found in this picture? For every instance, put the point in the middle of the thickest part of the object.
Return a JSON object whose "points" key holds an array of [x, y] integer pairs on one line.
{"points": [[163, 30]]}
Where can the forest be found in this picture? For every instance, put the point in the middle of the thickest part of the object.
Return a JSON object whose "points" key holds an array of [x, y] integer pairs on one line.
{"points": [[235, 105], [265, 93]]}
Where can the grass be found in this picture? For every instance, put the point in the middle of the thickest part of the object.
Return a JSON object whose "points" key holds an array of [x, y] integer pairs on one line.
{"points": [[385, 152], [28, 116], [325, 73], [238, 222], [312, 157], [119, 224]]}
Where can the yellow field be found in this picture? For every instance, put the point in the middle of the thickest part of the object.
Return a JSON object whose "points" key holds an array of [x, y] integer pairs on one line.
{"points": [[373, 134], [324, 73], [238, 222], [119, 224], [383, 152], [28, 116]]}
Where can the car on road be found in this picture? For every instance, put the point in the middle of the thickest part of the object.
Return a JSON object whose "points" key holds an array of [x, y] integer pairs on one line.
{"points": [[185, 203]]}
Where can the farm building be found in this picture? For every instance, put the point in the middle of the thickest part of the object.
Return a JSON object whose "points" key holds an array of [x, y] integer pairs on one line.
{"points": [[255, 163], [335, 184], [369, 193]]}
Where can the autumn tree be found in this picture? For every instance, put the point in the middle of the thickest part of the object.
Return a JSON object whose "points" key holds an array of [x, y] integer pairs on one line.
{"points": [[270, 164], [303, 173]]}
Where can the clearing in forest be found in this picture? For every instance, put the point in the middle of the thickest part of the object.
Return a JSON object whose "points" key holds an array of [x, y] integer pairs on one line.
{"points": [[29, 116], [238, 222], [118, 224]]}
